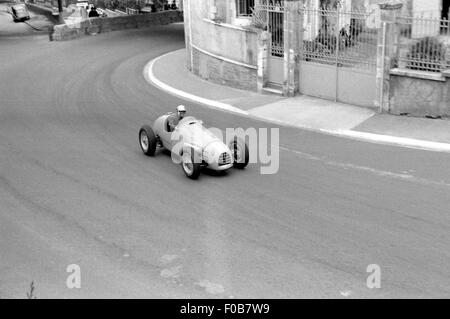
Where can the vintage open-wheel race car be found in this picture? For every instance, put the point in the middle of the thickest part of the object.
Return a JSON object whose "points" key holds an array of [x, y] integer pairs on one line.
{"points": [[194, 145]]}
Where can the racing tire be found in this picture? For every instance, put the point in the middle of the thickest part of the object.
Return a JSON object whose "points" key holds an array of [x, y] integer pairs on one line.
{"points": [[147, 140], [239, 150], [190, 168]]}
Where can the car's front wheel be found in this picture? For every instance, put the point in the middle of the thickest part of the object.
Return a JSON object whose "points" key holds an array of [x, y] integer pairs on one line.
{"points": [[239, 150], [147, 140], [190, 167]]}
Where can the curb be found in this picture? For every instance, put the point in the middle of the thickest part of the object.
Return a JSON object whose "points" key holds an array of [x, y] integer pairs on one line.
{"points": [[151, 78], [351, 134]]}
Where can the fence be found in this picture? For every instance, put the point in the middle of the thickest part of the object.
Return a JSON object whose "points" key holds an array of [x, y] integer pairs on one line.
{"points": [[270, 15], [131, 11], [334, 36], [424, 44]]}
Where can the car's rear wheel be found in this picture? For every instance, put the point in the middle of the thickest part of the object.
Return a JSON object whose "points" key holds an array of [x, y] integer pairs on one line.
{"points": [[239, 150], [190, 167], [147, 140]]}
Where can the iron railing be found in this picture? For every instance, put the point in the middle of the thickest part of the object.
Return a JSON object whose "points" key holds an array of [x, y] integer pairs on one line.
{"points": [[270, 13], [424, 43], [338, 37]]}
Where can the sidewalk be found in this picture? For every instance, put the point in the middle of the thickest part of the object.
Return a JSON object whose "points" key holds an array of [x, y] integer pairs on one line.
{"points": [[169, 73]]}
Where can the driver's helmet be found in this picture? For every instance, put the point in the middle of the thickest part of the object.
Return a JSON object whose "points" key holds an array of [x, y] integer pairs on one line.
{"points": [[181, 110]]}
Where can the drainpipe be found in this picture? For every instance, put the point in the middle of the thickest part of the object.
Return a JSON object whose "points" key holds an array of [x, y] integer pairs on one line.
{"points": [[383, 54], [337, 35], [212, 10], [190, 35], [60, 12]]}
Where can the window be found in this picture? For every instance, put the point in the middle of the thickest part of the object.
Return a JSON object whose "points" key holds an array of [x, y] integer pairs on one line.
{"points": [[244, 7]]}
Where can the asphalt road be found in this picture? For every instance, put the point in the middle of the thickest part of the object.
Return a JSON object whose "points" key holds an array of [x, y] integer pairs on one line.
{"points": [[75, 188]]}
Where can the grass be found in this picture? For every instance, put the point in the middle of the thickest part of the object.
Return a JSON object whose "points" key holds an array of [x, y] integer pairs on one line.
{"points": [[31, 293]]}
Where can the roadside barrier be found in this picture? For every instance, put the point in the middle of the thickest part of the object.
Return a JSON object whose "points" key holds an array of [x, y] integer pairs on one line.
{"points": [[63, 32]]}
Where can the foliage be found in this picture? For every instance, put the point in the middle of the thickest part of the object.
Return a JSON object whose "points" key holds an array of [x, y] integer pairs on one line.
{"points": [[160, 4], [157, 5], [30, 294], [427, 55], [329, 4], [328, 41], [315, 48], [259, 19]]}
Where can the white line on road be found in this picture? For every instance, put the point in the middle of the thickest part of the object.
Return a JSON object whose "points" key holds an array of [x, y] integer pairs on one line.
{"points": [[374, 171], [393, 140]]}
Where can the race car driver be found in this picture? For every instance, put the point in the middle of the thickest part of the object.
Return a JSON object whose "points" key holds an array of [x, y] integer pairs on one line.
{"points": [[174, 119]]}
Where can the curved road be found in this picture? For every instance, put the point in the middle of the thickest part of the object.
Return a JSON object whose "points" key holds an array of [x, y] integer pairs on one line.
{"points": [[76, 189]]}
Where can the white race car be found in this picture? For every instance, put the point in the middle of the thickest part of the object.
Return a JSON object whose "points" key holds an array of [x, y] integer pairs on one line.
{"points": [[194, 145]]}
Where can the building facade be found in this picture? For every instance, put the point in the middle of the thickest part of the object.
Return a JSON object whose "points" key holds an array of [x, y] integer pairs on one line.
{"points": [[342, 50], [220, 47]]}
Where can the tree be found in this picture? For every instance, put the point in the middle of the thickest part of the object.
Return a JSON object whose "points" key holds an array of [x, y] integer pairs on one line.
{"points": [[159, 4]]}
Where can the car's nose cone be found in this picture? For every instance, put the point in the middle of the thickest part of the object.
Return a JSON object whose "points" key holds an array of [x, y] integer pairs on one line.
{"points": [[218, 156]]}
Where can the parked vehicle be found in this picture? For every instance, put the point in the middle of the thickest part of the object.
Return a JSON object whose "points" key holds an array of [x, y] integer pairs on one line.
{"points": [[20, 12]]}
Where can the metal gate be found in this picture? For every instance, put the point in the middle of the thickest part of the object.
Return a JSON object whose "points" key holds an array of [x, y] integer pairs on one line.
{"points": [[272, 12], [338, 56]]}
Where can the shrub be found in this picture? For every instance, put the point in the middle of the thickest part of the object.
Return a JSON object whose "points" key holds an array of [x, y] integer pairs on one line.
{"points": [[259, 19], [427, 55], [328, 40], [315, 49], [356, 26]]}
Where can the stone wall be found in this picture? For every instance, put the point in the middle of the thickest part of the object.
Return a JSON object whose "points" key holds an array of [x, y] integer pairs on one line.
{"points": [[90, 26], [223, 72], [419, 93]]}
